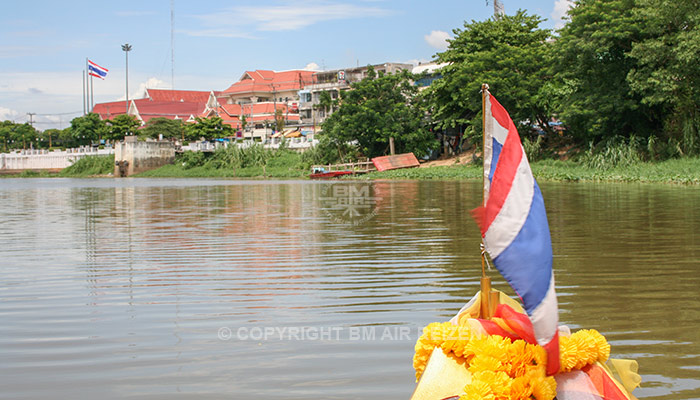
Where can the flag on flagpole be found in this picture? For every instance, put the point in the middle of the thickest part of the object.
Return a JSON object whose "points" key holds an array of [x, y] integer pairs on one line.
{"points": [[96, 71], [514, 226]]}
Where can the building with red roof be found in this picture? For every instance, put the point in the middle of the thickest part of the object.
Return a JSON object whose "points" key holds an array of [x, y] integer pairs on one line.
{"points": [[259, 95], [172, 104]]}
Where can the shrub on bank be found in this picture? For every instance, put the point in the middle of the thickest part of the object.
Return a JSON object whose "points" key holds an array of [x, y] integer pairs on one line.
{"points": [[89, 166]]}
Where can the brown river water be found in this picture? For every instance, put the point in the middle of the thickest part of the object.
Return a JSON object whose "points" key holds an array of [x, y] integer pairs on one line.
{"points": [[209, 289]]}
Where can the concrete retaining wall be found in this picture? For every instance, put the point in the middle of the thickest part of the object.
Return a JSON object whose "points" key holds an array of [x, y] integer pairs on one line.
{"points": [[132, 156], [46, 160]]}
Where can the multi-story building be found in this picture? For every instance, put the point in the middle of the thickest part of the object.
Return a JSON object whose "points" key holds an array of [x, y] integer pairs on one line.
{"points": [[311, 111], [258, 96]]}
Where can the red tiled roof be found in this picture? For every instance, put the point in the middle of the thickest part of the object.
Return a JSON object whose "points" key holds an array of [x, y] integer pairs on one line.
{"points": [[188, 96], [264, 81], [169, 109], [111, 109], [252, 108]]}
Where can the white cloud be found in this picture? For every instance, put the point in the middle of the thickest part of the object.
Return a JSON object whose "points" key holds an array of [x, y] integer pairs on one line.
{"points": [[150, 83], [561, 7], [312, 66], [226, 32], [287, 17], [7, 114], [438, 39]]}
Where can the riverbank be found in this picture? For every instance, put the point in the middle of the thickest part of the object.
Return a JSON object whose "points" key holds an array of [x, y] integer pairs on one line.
{"points": [[680, 171], [289, 166]]}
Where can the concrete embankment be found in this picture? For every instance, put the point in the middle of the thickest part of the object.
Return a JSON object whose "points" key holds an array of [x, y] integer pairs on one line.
{"points": [[44, 160]]}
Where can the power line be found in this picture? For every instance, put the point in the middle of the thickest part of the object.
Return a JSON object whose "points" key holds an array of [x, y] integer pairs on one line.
{"points": [[65, 113]]}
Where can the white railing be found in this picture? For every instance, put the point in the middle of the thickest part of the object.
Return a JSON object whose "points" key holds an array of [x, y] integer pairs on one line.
{"points": [[45, 159]]}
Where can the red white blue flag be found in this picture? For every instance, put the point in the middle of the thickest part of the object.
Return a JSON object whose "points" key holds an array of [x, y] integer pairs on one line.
{"points": [[514, 226], [97, 71]]}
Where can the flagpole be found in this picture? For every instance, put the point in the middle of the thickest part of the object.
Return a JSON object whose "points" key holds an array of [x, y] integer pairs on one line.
{"points": [[87, 83], [92, 94], [486, 306], [84, 92]]}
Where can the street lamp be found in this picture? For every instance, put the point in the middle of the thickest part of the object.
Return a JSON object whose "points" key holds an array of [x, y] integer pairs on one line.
{"points": [[127, 48]]}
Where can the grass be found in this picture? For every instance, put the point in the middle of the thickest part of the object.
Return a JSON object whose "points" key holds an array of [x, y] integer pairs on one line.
{"points": [[90, 166], [252, 162], [682, 171], [289, 164]]}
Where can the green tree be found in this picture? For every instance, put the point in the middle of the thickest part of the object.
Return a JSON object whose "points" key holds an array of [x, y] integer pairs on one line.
{"points": [[279, 120], [326, 103], [207, 128], [23, 134], [169, 128], [510, 55], [51, 136], [244, 122], [87, 128], [120, 126], [378, 108], [66, 138], [592, 62], [6, 133], [667, 70]]}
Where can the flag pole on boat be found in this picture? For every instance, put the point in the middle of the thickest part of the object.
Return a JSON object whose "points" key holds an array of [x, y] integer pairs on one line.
{"points": [[486, 306]]}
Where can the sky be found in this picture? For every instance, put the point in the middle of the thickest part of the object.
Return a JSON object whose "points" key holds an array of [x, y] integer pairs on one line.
{"points": [[44, 44]]}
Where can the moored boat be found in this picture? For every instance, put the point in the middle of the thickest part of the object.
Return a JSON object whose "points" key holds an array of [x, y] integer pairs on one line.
{"points": [[329, 174]]}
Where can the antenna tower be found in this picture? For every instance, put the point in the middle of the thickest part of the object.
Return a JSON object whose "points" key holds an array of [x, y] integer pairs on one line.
{"points": [[172, 43]]}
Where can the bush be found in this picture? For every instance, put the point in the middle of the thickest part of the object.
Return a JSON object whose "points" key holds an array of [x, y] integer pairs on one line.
{"points": [[91, 165], [191, 159], [613, 152]]}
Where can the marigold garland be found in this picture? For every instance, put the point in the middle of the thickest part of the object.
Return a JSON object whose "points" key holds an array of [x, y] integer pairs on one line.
{"points": [[503, 369]]}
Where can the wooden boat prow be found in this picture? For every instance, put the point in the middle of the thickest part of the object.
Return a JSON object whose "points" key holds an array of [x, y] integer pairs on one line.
{"points": [[445, 376]]}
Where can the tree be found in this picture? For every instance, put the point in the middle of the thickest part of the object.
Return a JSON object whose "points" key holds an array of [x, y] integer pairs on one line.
{"points": [[244, 122], [87, 128], [667, 71], [509, 54], [326, 103], [279, 120], [120, 126], [592, 62], [6, 133], [66, 138], [23, 133], [207, 128], [378, 108], [169, 128], [50, 136]]}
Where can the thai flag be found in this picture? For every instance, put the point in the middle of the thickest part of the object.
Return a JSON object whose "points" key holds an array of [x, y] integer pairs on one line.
{"points": [[514, 226], [97, 71]]}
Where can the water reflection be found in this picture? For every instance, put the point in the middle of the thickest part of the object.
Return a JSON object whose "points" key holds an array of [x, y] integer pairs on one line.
{"points": [[120, 287]]}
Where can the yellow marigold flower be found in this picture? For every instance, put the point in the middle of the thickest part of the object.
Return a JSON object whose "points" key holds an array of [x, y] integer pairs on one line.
{"points": [[520, 389], [485, 363], [478, 390], [543, 388]]}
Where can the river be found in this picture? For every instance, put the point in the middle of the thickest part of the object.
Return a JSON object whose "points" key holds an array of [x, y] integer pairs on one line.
{"points": [[191, 288]]}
